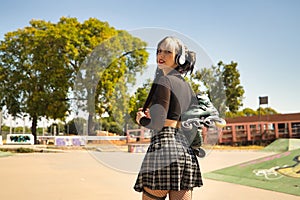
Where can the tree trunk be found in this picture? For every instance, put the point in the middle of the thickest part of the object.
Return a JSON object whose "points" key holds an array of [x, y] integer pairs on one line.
{"points": [[91, 124], [33, 128]]}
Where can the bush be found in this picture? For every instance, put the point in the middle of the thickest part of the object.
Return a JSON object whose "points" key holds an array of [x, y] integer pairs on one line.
{"points": [[24, 150]]}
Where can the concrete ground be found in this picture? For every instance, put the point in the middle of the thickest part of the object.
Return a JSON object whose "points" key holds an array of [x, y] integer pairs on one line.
{"points": [[86, 175]]}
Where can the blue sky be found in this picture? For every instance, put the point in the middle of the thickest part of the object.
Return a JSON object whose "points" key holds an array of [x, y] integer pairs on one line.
{"points": [[263, 37]]}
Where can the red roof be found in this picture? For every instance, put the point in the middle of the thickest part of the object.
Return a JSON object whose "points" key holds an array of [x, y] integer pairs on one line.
{"points": [[270, 118]]}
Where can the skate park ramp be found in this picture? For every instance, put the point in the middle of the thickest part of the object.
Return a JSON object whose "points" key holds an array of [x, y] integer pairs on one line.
{"points": [[282, 145], [278, 172]]}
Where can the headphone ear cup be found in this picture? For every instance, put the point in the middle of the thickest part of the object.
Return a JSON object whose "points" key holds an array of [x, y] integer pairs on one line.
{"points": [[182, 60], [179, 59]]}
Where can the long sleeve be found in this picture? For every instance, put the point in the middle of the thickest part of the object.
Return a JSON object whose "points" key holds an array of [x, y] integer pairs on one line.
{"points": [[159, 106]]}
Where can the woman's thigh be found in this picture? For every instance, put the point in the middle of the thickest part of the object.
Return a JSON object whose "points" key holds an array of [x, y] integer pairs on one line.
{"points": [[149, 194], [182, 195]]}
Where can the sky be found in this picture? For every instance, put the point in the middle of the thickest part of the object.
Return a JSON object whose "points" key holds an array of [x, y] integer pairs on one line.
{"points": [[263, 37]]}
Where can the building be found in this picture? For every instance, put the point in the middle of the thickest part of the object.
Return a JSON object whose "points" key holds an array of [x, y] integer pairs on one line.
{"points": [[260, 129]]}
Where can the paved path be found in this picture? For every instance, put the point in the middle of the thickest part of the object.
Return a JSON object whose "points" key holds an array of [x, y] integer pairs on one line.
{"points": [[82, 175]]}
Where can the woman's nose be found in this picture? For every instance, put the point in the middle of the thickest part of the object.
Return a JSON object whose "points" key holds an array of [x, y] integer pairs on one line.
{"points": [[162, 55]]}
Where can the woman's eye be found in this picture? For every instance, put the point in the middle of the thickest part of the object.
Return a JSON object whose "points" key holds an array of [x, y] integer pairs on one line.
{"points": [[158, 51]]}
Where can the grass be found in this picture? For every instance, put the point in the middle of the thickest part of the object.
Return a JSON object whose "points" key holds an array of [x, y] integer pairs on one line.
{"points": [[4, 154], [263, 173]]}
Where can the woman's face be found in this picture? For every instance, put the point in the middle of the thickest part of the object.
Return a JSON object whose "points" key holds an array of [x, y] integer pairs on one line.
{"points": [[165, 57]]}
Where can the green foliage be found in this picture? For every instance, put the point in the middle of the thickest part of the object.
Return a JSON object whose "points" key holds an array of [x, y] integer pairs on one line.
{"points": [[233, 90], [213, 82], [266, 111], [24, 150], [222, 84], [110, 125], [37, 73], [39, 66], [56, 128], [70, 128], [223, 87], [250, 112], [137, 100], [75, 126], [105, 75]]}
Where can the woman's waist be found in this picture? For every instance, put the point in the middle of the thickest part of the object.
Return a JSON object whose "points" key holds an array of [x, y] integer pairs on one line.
{"points": [[172, 123], [170, 128]]}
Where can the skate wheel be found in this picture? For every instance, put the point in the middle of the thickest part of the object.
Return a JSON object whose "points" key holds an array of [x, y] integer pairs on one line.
{"points": [[200, 152]]}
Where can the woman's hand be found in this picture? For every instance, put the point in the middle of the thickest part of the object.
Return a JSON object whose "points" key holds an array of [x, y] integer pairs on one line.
{"points": [[141, 114]]}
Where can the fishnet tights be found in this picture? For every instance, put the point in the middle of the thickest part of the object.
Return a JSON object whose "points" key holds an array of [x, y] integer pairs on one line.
{"points": [[173, 195]]}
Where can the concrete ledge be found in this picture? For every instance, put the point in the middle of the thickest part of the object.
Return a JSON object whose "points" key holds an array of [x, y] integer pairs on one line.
{"points": [[20, 139], [137, 148]]}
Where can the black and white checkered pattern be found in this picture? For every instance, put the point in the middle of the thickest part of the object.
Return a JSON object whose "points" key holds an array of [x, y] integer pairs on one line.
{"points": [[169, 163]]}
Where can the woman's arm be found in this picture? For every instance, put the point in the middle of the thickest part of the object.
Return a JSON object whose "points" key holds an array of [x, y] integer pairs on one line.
{"points": [[159, 106]]}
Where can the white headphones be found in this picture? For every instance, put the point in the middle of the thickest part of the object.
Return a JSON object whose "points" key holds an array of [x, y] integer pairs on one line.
{"points": [[180, 57]]}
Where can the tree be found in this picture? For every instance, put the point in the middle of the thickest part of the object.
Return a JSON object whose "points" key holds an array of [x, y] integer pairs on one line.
{"points": [[39, 63], [212, 79], [243, 113], [250, 112], [266, 111], [222, 86], [75, 126], [104, 76], [38, 69], [233, 90]]}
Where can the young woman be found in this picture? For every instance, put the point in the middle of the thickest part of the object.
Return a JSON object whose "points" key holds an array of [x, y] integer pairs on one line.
{"points": [[170, 166]]}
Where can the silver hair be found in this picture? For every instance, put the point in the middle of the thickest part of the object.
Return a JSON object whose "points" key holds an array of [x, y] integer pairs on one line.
{"points": [[172, 43]]}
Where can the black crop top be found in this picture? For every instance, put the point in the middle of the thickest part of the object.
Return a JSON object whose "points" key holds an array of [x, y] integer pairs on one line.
{"points": [[171, 98]]}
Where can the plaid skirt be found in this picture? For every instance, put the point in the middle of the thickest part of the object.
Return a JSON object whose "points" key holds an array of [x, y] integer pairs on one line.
{"points": [[169, 164]]}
